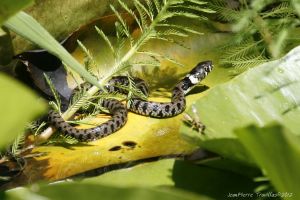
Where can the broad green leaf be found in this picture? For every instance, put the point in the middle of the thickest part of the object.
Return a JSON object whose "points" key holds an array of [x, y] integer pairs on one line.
{"points": [[79, 191], [19, 106], [203, 179], [167, 175], [266, 93], [6, 48], [30, 29], [146, 175], [296, 5], [277, 152], [10, 7]]}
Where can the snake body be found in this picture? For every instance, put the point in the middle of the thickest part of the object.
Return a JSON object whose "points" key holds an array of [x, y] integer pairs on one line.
{"points": [[137, 105]]}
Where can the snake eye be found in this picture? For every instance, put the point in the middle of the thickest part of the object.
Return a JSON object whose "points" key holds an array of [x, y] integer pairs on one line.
{"points": [[208, 66]]}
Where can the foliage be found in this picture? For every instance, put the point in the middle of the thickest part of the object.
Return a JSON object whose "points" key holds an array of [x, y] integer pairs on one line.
{"points": [[79, 191], [281, 170], [260, 96], [266, 93], [12, 121], [9, 8], [264, 30], [29, 28], [271, 84]]}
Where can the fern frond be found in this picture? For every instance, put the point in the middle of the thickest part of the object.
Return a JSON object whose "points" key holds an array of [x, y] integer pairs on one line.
{"points": [[277, 46], [200, 3], [124, 28], [121, 68], [125, 7], [157, 55], [170, 40], [18, 144], [62, 139], [89, 61], [113, 95], [77, 103], [157, 5], [245, 48], [54, 91], [145, 63], [133, 91], [105, 38], [223, 12], [40, 127], [283, 10], [183, 28], [121, 31], [151, 9], [139, 5], [192, 7], [171, 32], [182, 14], [54, 106], [248, 62], [142, 15]]}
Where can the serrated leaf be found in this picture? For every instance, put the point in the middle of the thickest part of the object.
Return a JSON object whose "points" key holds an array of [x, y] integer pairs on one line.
{"points": [[139, 5], [157, 5], [54, 91], [182, 14], [124, 26], [142, 15], [197, 2], [183, 28], [132, 14], [196, 8], [171, 32], [102, 34]]}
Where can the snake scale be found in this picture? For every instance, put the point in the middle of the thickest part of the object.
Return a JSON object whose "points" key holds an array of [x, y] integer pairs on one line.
{"points": [[143, 107]]}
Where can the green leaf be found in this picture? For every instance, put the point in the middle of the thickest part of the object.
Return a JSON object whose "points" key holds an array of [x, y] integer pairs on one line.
{"points": [[11, 7], [296, 5], [6, 48], [19, 106], [277, 152], [79, 191], [266, 93], [30, 29], [201, 179]]}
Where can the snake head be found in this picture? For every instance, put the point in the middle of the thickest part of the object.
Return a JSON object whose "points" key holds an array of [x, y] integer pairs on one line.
{"points": [[197, 74], [200, 71]]}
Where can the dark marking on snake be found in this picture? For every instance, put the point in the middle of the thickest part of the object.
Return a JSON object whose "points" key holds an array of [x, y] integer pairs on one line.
{"points": [[167, 108], [143, 107]]}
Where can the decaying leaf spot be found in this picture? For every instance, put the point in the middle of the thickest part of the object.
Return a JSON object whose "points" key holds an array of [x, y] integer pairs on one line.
{"points": [[115, 148], [130, 144]]}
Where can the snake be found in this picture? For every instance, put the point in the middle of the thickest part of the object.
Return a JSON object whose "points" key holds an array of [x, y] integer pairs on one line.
{"points": [[137, 105]]}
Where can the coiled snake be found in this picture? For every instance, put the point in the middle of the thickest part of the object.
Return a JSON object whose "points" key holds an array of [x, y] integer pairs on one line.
{"points": [[148, 108]]}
